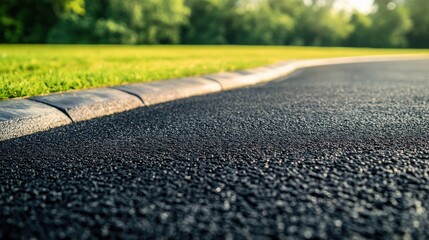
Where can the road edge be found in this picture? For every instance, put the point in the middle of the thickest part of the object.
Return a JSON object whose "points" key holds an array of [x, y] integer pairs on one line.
{"points": [[20, 117]]}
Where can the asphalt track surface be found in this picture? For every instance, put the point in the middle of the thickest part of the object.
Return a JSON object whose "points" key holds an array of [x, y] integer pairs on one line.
{"points": [[334, 152]]}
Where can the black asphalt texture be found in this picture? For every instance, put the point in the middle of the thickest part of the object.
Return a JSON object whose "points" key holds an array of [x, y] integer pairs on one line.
{"points": [[335, 152]]}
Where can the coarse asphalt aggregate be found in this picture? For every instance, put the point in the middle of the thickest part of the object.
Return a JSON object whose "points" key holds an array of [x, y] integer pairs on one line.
{"points": [[333, 152]]}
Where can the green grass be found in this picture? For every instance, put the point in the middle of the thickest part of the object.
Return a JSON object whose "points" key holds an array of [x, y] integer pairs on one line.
{"points": [[28, 70]]}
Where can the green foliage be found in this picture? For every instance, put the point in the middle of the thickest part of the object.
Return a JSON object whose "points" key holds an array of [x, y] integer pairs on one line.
{"points": [[362, 25], [21, 21], [127, 22], [419, 14], [209, 21], [11, 27], [320, 26], [75, 6], [261, 23], [390, 25], [393, 23]]}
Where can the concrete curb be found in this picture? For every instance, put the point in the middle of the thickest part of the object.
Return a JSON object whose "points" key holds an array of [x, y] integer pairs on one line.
{"points": [[169, 90], [22, 117], [87, 104], [231, 80], [19, 117]]}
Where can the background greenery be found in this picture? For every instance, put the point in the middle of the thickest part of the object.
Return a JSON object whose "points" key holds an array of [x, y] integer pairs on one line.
{"points": [[392, 23]]}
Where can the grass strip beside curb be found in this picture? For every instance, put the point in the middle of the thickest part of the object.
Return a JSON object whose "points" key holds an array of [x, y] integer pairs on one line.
{"points": [[31, 70]]}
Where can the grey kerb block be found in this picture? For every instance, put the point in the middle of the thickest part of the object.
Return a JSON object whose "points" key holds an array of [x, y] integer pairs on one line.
{"points": [[231, 80], [87, 104], [169, 90], [19, 117]]}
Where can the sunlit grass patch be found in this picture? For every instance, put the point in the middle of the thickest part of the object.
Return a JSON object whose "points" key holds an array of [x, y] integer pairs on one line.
{"points": [[28, 70]]}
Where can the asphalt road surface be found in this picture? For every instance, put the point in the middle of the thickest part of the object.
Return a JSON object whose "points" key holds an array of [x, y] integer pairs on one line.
{"points": [[331, 152]]}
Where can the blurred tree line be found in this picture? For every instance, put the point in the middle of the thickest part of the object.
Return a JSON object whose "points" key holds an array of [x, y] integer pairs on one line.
{"points": [[392, 23]]}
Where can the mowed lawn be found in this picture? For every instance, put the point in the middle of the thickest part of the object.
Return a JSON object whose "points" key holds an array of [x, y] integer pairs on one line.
{"points": [[28, 70]]}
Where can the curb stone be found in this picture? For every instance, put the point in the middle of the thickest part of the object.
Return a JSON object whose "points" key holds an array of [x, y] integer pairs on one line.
{"points": [[22, 117], [19, 117], [232, 80], [169, 90], [87, 104]]}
